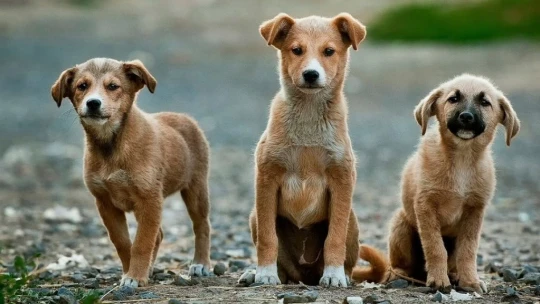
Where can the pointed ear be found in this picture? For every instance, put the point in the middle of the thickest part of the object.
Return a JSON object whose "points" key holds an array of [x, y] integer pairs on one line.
{"points": [[509, 119], [137, 72], [62, 87], [275, 31], [426, 108], [352, 31]]}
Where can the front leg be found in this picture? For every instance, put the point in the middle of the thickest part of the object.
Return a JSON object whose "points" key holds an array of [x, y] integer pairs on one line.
{"points": [[435, 253], [148, 215], [466, 248], [266, 214], [341, 183]]}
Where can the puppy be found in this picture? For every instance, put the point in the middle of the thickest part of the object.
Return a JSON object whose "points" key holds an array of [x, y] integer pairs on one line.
{"points": [[302, 223], [134, 160], [447, 184]]}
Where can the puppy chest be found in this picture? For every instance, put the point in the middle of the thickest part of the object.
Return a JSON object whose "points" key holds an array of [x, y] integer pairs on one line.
{"points": [[118, 186]]}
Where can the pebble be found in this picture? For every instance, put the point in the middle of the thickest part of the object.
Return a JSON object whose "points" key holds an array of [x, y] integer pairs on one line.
{"points": [[218, 256], [353, 300], [439, 297], [220, 269], [424, 289], [91, 283], [128, 290], [537, 290], [532, 278], [479, 259], [77, 277], [42, 292], [510, 275], [514, 299], [148, 295], [399, 283], [180, 281], [371, 299], [305, 297], [492, 267], [239, 264], [175, 301], [66, 296]]}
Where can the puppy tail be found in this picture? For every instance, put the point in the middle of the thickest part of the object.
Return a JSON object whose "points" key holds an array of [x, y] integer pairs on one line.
{"points": [[377, 272]]}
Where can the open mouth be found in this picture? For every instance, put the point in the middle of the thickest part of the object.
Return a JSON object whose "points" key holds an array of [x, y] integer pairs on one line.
{"points": [[465, 134]]}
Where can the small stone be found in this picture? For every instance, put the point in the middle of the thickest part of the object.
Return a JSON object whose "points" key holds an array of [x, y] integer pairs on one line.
{"points": [[238, 263], [66, 296], [148, 295], [514, 299], [511, 291], [128, 290], [256, 284], [424, 289], [353, 300], [532, 278], [220, 269], [439, 297], [384, 302], [233, 269], [77, 278], [175, 301], [510, 275], [399, 283], [180, 281], [119, 296], [219, 256], [492, 267], [537, 290], [305, 297], [161, 276], [91, 283], [283, 294], [371, 299], [479, 259], [42, 292]]}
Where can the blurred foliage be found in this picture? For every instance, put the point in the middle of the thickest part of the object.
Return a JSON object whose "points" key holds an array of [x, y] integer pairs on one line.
{"points": [[13, 284], [464, 23]]}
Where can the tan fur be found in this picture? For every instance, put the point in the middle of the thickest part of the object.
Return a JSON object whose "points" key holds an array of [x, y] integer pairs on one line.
{"points": [[305, 165], [446, 186], [134, 160]]}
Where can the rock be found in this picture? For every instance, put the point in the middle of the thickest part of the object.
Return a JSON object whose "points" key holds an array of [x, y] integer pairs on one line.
{"points": [[174, 301], [42, 292], [66, 296], [353, 300], [218, 256], [399, 283], [148, 295], [537, 290], [371, 299], [532, 278], [77, 277], [91, 283], [439, 297], [233, 269], [61, 214], [128, 290], [305, 297], [510, 275], [239, 264], [247, 278], [456, 296], [424, 289], [161, 276], [479, 259], [280, 296], [220, 269], [514, 299], [119, 296], [180, 281], [492, 267]]}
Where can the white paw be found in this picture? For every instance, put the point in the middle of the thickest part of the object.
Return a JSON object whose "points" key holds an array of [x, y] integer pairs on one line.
{"points": [[127, 281], [247, 278], [334, 276], [267, 275], [198, 270]]}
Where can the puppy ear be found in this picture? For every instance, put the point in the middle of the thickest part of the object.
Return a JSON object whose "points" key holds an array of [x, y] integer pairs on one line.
{"points": [[62, 87], [137, 72], [509, 119], [275, 30], [425, 109], [352, 31]]}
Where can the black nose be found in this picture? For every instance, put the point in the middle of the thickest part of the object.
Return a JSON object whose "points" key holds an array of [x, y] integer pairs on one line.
{"points": [[466, 118], [310, 76], [93, 104]]}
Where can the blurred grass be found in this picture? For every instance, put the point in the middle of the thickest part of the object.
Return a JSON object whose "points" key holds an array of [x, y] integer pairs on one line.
{"points": [[464, 23]]}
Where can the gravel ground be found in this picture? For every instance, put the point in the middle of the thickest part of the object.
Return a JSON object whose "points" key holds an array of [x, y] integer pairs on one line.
{"points": [[210, 63]]}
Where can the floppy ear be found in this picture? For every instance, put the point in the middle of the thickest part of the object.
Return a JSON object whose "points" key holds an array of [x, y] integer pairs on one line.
{"points": [[425, 109], [275, 30], [352, 31], [509, 119], [62, 87], [137, 72]]}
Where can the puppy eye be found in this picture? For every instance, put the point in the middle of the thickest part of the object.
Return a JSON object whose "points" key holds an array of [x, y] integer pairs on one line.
{"points": [[82, 87], [329, 52], [112, 87], [453, 99], [485, 103], [297, 51]]}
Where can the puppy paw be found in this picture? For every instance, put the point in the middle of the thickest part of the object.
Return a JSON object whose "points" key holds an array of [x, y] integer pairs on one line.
{"points": [[267, 275], [247, 278], [439, 281], [131, 282], [198, 270], [334, 276], [478, 285]]}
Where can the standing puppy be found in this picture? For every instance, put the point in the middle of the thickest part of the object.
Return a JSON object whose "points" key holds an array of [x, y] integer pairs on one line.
{"points": [[133, 160], [302, 224], [448, 183]]}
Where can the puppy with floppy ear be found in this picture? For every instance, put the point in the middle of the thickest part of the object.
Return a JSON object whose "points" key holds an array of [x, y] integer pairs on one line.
{"points": [[134, 160], [447, 184], [302, 223]]}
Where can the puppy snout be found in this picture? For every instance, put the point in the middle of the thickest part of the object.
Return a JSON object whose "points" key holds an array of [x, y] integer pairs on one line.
{"points": [[93, 104], [466, 118], [310, 76]]}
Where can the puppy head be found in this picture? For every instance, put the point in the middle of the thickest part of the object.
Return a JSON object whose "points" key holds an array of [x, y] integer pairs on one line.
{"points": [[468, 107], [313, 51], [102, 90]]}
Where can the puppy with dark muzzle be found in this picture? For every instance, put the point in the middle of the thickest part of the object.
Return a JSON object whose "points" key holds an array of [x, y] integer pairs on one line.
{"points": [[446, 186], [134, 160]]}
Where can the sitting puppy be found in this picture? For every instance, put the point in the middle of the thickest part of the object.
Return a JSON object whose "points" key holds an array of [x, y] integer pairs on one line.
{"points": [[134, 160], [303, 224], [446, 186]]}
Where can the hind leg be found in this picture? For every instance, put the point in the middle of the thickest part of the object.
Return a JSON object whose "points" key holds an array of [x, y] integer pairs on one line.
{"points": [[353, 246], [156, 249], [400, 245], [198, 206]]}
